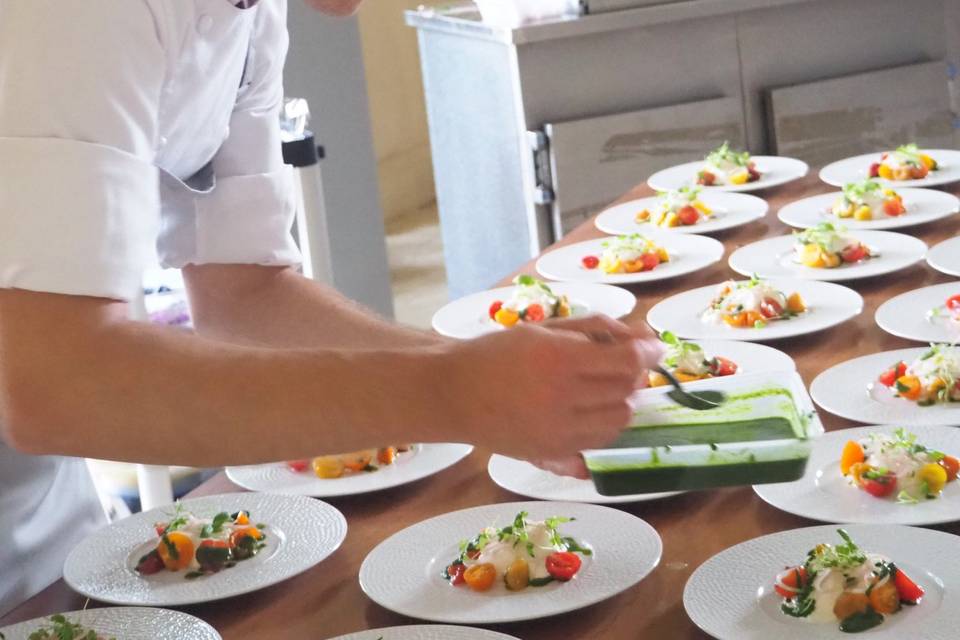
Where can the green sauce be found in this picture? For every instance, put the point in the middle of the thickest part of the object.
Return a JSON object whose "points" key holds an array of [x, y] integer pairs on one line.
{"points": [[861, 621], [672, 435]]}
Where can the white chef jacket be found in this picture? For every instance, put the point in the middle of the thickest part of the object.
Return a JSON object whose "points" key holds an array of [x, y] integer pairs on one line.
{"points": [[129, 130]]}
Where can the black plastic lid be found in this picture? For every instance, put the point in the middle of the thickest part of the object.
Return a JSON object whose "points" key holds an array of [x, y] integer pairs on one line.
{"points": [[303, 152]]}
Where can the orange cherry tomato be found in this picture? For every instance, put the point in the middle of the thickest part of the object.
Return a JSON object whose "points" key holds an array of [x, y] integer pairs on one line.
{"points": [[387, 455], [245, 532], [534, 313], [884, 598], [852, 454], [176, 550], [358, 461], [480, 577]]}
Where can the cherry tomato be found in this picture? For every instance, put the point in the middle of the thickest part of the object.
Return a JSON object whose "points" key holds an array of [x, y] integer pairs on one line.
{"points": [[884, 598], [494, 308], [790, 582], [880, 486], [456, 571], [723, 367], [246, 532], [387, 455], [160, 528], [150, 564], [754, 175], [893, 207], [213, 555], [706, 178], [889, 377], [952, 466], [534, 313], [591, 262], [909, 590], [480, 577], [298, 465], [175, 550], [688, 215], [563, 565], [650, 261], [953, 302], [875, 170], [770, 308], [854, 253]]}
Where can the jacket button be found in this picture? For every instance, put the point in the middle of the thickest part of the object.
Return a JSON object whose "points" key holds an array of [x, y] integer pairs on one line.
{"points": [[204, 23]]}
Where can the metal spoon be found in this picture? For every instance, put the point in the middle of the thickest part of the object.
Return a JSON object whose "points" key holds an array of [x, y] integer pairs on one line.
{"points": [[698, 400]]}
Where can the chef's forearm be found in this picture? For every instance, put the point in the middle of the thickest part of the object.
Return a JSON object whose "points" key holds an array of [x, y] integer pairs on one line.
{"points": [[120, 390], [277, 307]]}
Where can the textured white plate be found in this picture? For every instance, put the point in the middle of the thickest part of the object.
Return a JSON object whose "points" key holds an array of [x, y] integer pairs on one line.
{"points": [[729, 210], [688, 253], [945, 257], [776, 258], [858, 168], [469, 316], [731, 595], [424, 460], [923, 206], [426, 632], [301, 532], [906, 315], [850, 390], [126, 623], [775, 170], [824, 494], [828, 305], [403, 572]]}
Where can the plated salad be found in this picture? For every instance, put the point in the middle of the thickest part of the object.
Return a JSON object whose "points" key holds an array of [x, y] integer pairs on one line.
{"points": [[346, 464], [949, 311], [687, 361], [628, 254], [678, 207], [897, 467], [906, 163], [933, 378], [827, 246], [202, 546], [60, 628], [752, 304], [532, 301], [724, 166], [846, 585], [523, 554], [867, 200]]}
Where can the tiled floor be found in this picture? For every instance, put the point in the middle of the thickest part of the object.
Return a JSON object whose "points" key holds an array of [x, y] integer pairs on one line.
{"points": [[415, 253]]}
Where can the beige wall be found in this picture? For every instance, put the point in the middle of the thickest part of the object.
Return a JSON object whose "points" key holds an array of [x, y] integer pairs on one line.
{"points": [[397, 109]]}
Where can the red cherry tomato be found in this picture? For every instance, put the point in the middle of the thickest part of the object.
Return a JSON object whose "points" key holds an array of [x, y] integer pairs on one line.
{"points": [[854, 253], [494, 308], [298, 465], [591, 262], [881, 486], [456, 571], [953, 303], [160, 528], [563, 565], [534, 313], [706, 178], [770, 308], [875, 170], [952, 466], [723, 367], [650, 261], [150, 564], [688, 215], [754, 175], [889, 377], [908, 590], [790, 582]]}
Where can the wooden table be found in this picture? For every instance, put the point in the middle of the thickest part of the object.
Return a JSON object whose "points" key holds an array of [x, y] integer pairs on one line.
{"points": [[327, 600]]}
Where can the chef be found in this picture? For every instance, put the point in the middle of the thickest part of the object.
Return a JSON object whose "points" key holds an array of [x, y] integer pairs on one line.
{"points": [[138, 129]]}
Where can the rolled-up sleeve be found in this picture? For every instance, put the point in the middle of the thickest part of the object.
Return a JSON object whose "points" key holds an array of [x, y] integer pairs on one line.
{"points": [[79, 89]]}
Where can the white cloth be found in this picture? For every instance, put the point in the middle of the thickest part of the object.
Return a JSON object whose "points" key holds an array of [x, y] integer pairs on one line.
{"points": [[128, 129]]}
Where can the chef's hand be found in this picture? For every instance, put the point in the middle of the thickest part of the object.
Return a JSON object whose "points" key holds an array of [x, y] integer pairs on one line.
{"points": [[546, 392]]}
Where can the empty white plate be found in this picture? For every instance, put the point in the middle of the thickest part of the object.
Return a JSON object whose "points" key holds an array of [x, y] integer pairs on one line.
{"points": [[850, 390], [828, 305], [776, 258], [857, 168], [126, 623], [426, 632], [403, 573], [774, 171], [421, 461], [469, 316], [731, 595], [825, 494], [688, 253], [921, 315], [923, 206], [945, 257], [729, 210]]}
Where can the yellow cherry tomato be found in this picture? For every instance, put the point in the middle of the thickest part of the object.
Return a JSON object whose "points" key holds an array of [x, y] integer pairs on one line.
{"points": [[863, 213], [934, 475], [795, 303], [885, 172], [480, 577], [506, 317], [328, 467]]}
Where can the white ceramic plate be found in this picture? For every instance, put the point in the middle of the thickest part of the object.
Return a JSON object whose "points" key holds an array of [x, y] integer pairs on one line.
{"points": [[688, 253], [422, 461], [828, 305], [729, 210], [858, 168], [850, 390], [301, 532], [126, 623], [909, 316], [923, 206], [774, 170], [403, 572], [731, 595], [776, 258], [824, 494], [945, 257], [468, 317], [426, 632]]}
